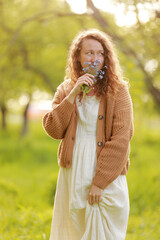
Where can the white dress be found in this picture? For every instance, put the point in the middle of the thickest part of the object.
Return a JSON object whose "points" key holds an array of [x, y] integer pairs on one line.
{"points": [[73, 217]]}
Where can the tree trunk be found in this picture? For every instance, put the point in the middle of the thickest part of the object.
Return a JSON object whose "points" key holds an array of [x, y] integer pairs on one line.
{"points": [[4, 111], [25, 120]]}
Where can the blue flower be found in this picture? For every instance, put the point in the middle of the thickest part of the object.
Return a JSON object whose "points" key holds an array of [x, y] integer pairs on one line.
{"points": [[95, 80], [105, 67]]}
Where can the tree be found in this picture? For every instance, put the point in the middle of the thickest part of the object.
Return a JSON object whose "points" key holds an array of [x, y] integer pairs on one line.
{"points": [[142, 33]]}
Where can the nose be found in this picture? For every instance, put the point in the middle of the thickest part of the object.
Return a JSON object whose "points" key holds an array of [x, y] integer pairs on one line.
{"points": [[94, 58]]}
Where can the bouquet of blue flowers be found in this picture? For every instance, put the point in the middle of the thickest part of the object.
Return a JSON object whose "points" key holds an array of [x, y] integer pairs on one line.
{"points": [[92, 68]]}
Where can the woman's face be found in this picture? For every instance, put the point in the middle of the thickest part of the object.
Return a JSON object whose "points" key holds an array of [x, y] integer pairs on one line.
{"points": [[91, 51]]}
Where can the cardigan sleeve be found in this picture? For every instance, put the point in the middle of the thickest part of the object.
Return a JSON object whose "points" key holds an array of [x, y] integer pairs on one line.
{"points": [[115, 152], [57, 120]]}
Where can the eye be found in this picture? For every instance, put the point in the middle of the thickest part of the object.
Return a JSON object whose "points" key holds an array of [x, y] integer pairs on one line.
{"points": [[89, 52], [101, 53]]}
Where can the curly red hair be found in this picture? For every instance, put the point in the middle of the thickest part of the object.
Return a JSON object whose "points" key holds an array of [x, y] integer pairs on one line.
{"points": [[113, 76]]}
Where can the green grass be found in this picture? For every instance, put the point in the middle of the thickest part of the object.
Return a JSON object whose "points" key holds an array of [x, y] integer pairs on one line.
{"points": [[28, 174]]}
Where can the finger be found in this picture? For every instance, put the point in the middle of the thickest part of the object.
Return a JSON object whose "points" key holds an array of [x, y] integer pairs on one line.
{"points": [[83, 82], [90, 201], [96, 198], [91, 81], [90, 75], [93, 198], [87, 80]]}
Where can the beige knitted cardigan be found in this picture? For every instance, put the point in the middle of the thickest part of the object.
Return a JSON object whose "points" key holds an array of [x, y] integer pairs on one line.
{"points": [[114, 132]]}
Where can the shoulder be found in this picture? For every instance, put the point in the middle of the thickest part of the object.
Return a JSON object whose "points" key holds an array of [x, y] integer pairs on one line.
{"points": [[62, 91], [122, 97], [122, 91]]}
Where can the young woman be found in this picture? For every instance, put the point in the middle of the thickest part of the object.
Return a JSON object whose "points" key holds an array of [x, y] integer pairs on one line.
{"points": [[92, 114]]}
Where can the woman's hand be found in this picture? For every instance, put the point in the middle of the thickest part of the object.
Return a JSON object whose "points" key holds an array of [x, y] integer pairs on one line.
{"points": [[86, 79], [94, 195]]}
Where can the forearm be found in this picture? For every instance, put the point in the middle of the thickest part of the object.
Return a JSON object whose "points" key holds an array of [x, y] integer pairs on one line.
{"points": [[115, 153], [111, 162]]}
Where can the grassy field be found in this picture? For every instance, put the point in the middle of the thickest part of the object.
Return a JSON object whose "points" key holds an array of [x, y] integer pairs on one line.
{"points": [[28, 174]]}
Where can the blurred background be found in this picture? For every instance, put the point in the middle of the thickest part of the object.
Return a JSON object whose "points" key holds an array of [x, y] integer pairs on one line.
{"points": [[34, 41]]}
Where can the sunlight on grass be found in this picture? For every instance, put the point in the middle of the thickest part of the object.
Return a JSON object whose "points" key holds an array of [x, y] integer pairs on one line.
{"points": [[28, 176]]}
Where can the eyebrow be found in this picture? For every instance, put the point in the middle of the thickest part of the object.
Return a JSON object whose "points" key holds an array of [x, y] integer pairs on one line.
{"points": [[93, 50]]}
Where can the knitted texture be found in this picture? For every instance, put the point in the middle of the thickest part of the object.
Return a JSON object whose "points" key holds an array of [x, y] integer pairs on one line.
{"points": [[114, 132]]}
